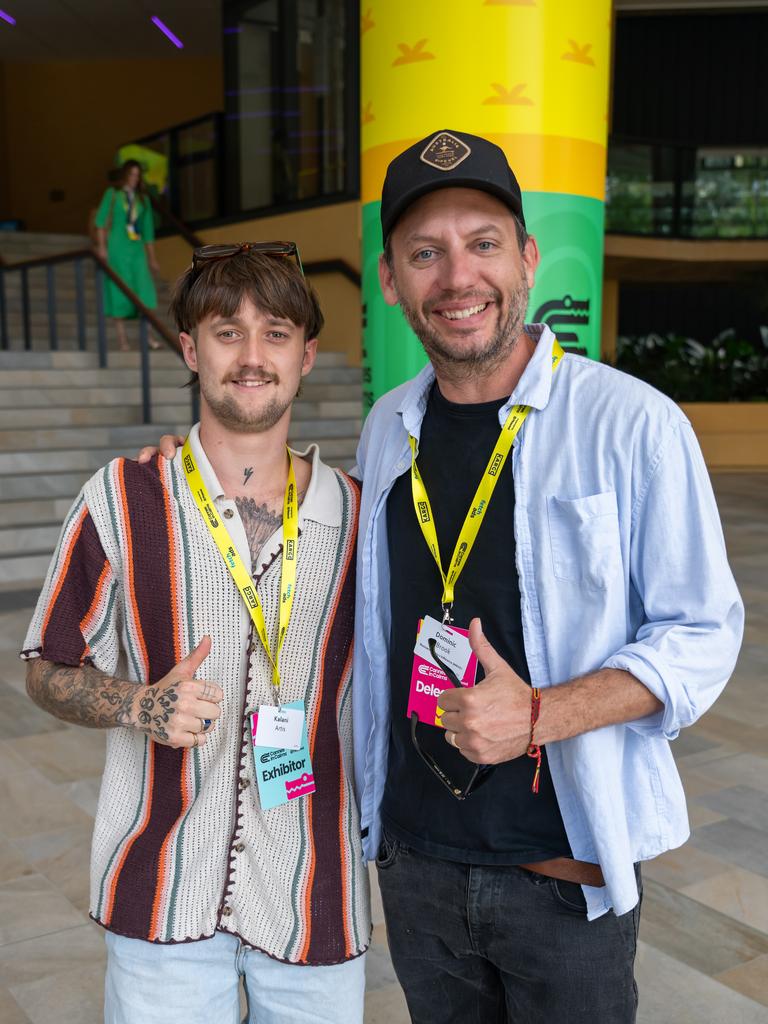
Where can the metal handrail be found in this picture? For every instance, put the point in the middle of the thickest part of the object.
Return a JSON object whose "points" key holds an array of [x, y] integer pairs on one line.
{"points": [[77, 257], [337, 265]]}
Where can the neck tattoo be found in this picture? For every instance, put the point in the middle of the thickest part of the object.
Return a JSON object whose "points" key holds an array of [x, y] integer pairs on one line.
{"points": [[247, 474]]}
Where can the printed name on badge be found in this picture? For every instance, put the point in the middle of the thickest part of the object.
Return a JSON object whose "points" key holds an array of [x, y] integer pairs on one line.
{"points": [[279, 727], [451, 644]]}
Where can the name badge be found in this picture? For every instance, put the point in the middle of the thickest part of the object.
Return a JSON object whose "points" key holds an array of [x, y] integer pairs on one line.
{"points": [[279, 727], [282, 774], [427, 679]]}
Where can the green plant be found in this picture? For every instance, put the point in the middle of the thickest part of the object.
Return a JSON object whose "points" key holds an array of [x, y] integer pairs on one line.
{"points": [[726, 370]]}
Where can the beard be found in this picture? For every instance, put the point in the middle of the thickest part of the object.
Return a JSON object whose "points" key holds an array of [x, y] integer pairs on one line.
{"points": [[231, 415], [463, 360]]}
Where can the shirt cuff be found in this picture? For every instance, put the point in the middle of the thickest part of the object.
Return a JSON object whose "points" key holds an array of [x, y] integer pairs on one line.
{"points": [[645, 664]]}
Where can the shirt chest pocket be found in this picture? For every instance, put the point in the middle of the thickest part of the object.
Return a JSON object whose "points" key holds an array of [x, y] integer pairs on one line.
{"points": [[584, 537]]}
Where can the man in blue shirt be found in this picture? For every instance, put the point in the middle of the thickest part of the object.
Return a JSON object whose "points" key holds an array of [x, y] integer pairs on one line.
{"points": [[509, 819]]}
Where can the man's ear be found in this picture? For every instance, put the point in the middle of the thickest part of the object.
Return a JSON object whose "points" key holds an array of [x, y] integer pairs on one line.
{"points": [[310, 355], [387, 281], [189, 350], [531, 259]]}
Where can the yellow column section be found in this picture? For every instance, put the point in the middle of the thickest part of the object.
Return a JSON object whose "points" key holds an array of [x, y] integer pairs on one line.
{"points": [[531, 76]]}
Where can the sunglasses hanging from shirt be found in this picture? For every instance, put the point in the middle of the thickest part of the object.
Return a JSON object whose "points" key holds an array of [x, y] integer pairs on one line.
{"points": [[442, 656], [279, 732]]}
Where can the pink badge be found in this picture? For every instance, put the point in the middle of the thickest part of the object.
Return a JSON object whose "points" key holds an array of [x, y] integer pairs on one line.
{"points": [[428, 682]]}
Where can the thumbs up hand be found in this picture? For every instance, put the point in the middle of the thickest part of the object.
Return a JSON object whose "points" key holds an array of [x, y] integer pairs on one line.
{"points": [[489, 723], [174, 711]]}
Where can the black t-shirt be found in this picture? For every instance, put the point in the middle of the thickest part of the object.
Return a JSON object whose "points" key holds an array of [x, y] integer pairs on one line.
{"points": [[502, 822]]}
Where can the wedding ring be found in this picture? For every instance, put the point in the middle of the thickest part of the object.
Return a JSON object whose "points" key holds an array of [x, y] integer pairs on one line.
{"points": [[194, 739]]}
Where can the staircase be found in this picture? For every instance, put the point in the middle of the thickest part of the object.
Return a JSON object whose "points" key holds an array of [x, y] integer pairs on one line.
{"points": [[62, 417]]}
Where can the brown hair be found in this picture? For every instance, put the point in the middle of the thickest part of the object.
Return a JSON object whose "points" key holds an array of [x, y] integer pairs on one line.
{"points": [[122, 174], [273, 283]]}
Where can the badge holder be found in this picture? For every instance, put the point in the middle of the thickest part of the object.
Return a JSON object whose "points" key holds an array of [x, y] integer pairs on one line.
{"points": [[282, 774], [481, 773]]}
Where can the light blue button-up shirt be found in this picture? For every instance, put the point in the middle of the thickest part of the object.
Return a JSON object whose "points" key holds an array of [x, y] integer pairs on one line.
{"points": [[622, 564]]}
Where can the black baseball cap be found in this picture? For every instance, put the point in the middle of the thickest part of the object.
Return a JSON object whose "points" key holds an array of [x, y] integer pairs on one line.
{"points": [[447, 159]]}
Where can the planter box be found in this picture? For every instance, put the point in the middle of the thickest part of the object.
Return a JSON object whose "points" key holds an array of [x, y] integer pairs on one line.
{"points": [[733, 435]]}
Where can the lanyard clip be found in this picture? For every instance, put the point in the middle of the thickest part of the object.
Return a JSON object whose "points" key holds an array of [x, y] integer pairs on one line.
{"points": [[447, 618]]}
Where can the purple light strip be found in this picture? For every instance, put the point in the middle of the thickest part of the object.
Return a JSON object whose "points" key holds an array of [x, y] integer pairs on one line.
{"points": [[8, 18], [167, 32]]}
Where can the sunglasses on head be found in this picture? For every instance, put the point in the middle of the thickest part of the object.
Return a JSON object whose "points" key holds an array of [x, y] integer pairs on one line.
{"points": [[209, 253]]}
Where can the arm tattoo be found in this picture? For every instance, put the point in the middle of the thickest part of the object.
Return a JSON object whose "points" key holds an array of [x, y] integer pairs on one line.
{"points": [[260, 522], [84, 696]]}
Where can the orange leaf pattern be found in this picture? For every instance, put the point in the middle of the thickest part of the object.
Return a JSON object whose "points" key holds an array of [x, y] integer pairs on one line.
{"points": [[509, 97], [579, 52], [412, 54]]}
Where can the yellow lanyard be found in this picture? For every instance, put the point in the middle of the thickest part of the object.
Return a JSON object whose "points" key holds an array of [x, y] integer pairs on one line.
{"points": [[474, 517], [234, 562]]}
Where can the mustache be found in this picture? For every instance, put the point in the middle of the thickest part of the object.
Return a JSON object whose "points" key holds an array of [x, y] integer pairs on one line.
{"points": [[246, 374], [486, 296]]}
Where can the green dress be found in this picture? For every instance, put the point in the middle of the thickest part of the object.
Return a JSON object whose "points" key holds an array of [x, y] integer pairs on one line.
{"points": [[126, 255]]}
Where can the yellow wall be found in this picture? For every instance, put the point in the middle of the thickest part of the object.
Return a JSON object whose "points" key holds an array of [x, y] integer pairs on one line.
{"points": [[64, 120], [323, 233]]}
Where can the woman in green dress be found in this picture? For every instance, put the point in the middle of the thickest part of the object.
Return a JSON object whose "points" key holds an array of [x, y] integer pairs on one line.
{"points": [[126, 235]]}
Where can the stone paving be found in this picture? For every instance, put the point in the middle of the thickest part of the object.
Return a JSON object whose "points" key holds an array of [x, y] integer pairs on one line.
{"points": [[703, 954]]}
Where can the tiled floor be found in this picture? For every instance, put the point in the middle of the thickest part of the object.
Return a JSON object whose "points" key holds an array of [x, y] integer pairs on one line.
{"points": [[703, 955]]}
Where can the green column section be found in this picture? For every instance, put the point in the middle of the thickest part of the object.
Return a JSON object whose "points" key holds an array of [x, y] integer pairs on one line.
{"points": [[391, 351], [568, 291]]}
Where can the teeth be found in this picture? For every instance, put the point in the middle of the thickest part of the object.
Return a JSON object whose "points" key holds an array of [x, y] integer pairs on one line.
{"points": [[251, 383], [462, 314]]}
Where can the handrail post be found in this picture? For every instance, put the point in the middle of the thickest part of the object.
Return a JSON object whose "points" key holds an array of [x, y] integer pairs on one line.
{"points": [[50, 275], [25, 308], [101, 327], [4, 342], [146, 408], [80, 304]]}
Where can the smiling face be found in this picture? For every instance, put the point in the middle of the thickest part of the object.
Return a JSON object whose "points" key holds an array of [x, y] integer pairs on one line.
{"points": [[250, 366], [460, 278]]}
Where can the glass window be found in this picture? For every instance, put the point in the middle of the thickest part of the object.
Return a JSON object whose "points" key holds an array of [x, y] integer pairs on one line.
{"points": [[287, 104]]}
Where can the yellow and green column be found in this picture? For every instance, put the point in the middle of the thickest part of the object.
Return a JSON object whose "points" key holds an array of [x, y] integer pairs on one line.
{"points": [[531, 76]]}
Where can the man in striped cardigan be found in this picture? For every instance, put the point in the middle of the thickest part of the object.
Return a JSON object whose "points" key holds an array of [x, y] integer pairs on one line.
{"points": [[200, 873]]}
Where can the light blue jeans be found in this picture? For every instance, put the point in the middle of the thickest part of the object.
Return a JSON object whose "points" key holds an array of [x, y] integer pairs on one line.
{"points": [[198, 983]]}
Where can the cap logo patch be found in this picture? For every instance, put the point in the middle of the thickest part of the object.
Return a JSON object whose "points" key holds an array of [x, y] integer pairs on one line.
{"points": [[445, 152]]}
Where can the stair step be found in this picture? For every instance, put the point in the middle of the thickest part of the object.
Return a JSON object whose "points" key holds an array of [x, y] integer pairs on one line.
{"points": [[99, 416], [88, 378], [25, 569], [28, 513], [28, 538], [43, 487], [74, 397], [76, 360]]}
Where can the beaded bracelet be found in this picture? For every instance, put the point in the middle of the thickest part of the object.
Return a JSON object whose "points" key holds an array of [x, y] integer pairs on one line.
{"points": [[534, 750]]}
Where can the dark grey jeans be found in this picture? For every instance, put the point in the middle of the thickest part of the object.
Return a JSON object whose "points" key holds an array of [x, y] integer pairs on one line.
{"points": [[501, 945]]}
